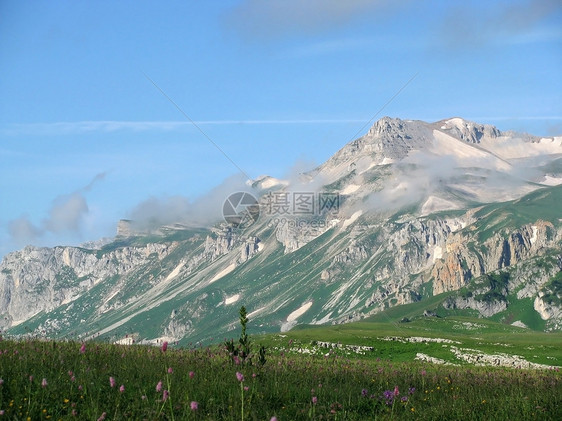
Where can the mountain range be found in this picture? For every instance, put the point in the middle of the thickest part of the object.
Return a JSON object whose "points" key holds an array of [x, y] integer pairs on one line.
{"points": [[456, 214]]}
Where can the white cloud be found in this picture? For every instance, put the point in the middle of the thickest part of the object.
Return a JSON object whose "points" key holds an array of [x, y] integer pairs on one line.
{"points": [[66, 215], [81, 127], [258, 19]]}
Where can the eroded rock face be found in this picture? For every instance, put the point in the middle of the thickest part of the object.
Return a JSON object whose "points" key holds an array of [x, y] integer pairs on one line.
{"points": [[461, 262], [485, 308], [40, 279], [546, 311]]}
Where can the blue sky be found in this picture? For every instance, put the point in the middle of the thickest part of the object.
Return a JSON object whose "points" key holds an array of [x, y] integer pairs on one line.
{"points": [[279, 85]]}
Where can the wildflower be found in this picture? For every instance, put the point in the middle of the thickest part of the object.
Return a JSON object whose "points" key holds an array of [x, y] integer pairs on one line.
{"points": [[194, 405], [1, 381], [236, 360], [122, 388], [74, 413], [273, 419], [83, 348], [102, 417], [396, 391], [44, 383], [165, 395], [246, 388], [314, 400], [191, 374], [170, 370], [423, 372], [73, 379], [159, 386], [1, 412], [239, 376], [143, 397], [164, 346], [411, 390], [112, 382], [364, 392], [30, 378], [404, 399]]}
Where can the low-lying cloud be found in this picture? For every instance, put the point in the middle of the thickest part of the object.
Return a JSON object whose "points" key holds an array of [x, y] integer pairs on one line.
{"points": [[65, 216], [204, 211]]}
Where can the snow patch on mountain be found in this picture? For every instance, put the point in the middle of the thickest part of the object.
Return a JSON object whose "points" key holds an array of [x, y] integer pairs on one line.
{"points": [[223, 273], [232, 299], [352, 219]]}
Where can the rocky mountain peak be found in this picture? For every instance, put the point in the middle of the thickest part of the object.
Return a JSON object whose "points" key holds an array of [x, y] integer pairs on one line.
{"points": [[469, 131]]}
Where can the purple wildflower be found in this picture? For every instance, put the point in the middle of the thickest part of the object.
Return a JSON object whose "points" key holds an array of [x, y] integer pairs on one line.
{"points": [[239, 376]]}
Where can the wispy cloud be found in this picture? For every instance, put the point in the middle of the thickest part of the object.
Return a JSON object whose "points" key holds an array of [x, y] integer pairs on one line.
{"points": [[107, 126], [66, 215], [263, 20], [506, 23]]}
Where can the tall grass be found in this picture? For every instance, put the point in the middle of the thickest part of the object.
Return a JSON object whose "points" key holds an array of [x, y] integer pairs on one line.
{"points": [[68, 380]]}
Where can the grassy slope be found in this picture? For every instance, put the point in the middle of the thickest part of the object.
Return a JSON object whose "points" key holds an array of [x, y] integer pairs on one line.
{"points": [[483, 335]]}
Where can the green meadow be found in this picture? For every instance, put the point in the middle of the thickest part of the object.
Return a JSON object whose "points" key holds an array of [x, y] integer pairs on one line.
{"points": [[357, 371]]}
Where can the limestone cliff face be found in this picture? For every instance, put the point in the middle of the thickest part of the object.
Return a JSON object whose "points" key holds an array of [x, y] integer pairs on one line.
{"points": [[36, 280], [40, 279], [547, 311], [464, 259]]}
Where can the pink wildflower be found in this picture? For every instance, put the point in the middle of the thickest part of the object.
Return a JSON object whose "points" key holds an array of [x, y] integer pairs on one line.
{"points": [[273, 419], [122, 388], [165, 395], [191, 374], [314, 400], [159, 386], [170, 370], [83, 348], [102, 417], [44, 383], [239, 376], [194, 405], [112, 382], [164, 346], [396, 391]]}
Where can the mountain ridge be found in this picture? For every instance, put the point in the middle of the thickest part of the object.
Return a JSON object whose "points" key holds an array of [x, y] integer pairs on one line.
{"points": [[413, 221]]}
